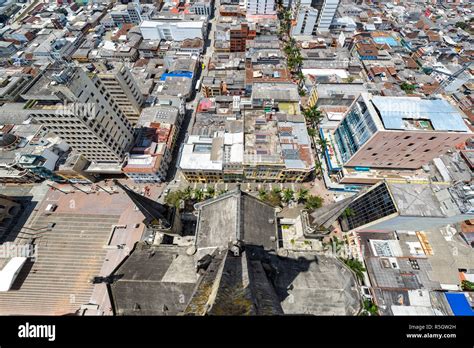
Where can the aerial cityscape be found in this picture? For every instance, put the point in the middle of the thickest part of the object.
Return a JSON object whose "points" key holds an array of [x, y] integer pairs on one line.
{"points": [[236, 157]]}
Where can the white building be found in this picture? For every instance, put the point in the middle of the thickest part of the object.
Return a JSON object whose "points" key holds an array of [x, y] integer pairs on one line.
{"points": [[305, 21], [328, 10], [201, 7], [130, 13], [172, 30], [261, 7]]}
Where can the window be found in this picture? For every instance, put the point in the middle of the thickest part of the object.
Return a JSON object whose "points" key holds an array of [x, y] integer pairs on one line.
{"points": [[407, 137], [411, 144], [432, 138]]}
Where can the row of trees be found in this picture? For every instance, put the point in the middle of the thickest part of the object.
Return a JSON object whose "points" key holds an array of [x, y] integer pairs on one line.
{"points": [[293, 54], [277, 197], [313, 118]]}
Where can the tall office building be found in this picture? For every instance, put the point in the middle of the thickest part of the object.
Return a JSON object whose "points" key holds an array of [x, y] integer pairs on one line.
{"points": [[305, 21], [129, 13], [314, 16], [326, 14], [80, 110], [119, 82], [261, 7], [397, 132]]}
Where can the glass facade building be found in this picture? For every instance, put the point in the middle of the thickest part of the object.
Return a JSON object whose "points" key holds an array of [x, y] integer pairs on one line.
{"points": [[371, 206], [354, 130]]}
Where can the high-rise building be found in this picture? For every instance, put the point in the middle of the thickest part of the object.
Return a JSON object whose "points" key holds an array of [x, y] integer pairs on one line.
{"points": [[78, 108], [397, 132], [314, 16], [119, 82], [129, 13], [305, 21], [326, 14], [261, 7]]}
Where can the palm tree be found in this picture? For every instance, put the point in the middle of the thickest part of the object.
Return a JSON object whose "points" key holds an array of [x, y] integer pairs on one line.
{"points": [[312, 132], [313, 202], [276, 190], [298, 59], [302, 194], [312, 115], [187, 193], [174, 198], [198, 195], [221, 192], [211, 191], [287, 195], [288, 49], [318, 168], [300, 76], [273, 198], [323, 143]]}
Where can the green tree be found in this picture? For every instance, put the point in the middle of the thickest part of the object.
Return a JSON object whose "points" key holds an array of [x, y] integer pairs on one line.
{"points": [[198, 195], [356, 266], [288, 49], [174, 198], [287, 195], [466, 285], [211, 192], [318, 168], [187, 193], [276, 190], [313, 202], [312, 132], [407, 87], [300, 76], [370, 308], [273, 198], [221, 192], [302, 194], [461, 25], [312, 115], [262, 194], [323, 143]]}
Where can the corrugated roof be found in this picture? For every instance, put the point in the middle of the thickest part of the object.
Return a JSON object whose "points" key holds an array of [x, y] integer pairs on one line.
{"points": [[443, 116]]}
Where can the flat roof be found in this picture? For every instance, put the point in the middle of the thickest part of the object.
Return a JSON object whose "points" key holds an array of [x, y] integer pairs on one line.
{"points": [[395, 111]]}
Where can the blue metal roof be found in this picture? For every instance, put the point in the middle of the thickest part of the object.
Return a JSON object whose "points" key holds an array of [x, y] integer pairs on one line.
{"points": [[386, 40], [459, 304], [443, 116]]}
